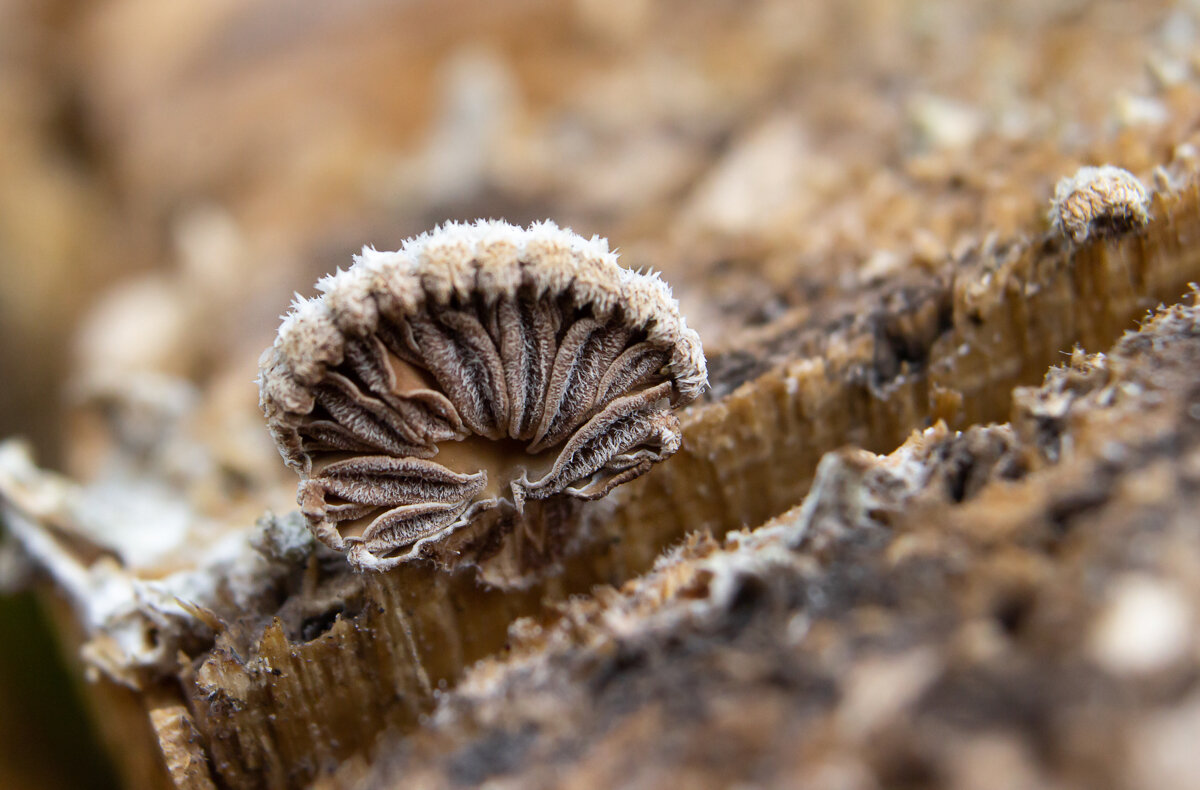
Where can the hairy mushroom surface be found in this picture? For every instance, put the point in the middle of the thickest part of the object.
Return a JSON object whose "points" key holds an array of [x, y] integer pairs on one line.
{"points": [[480, 366], [1099, 203]]}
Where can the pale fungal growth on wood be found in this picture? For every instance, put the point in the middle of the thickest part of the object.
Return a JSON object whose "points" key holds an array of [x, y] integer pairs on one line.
{"points": [[1099, 203], [480, 366]]}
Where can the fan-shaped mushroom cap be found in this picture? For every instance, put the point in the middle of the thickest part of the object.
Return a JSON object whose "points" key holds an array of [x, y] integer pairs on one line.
{"points": [[480, 366], [1098, 203]]}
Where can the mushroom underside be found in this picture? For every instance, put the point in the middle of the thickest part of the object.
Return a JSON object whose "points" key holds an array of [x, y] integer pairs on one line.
{"points": [[436, 418]]}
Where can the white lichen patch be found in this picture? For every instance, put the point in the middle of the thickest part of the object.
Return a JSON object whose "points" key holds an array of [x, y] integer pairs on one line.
{"points": [[1099, 203], [480, 366], [106, 549]]}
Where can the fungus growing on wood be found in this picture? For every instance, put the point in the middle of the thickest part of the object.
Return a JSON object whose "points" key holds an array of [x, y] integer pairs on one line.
{"points": [[1099, 203], [480, 366]]}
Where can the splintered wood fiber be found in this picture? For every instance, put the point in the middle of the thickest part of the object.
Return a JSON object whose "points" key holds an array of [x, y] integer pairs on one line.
{"points": [[991, 320]]}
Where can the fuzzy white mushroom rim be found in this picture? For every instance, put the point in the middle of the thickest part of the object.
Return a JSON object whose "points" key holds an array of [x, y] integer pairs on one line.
{"points": [[480, 366], [1099, 203]]}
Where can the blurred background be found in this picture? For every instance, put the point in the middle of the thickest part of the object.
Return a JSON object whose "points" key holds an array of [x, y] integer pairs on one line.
{"points": [[170, 173]]}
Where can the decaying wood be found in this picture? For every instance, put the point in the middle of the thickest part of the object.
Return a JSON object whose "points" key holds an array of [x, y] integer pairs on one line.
{"points": [[933, 617], [1004, 598], [285, 694], [746, 457]]}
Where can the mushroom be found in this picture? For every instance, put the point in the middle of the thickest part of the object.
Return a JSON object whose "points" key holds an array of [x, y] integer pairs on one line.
{"points": [[1099, 203], [480, 366]]}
